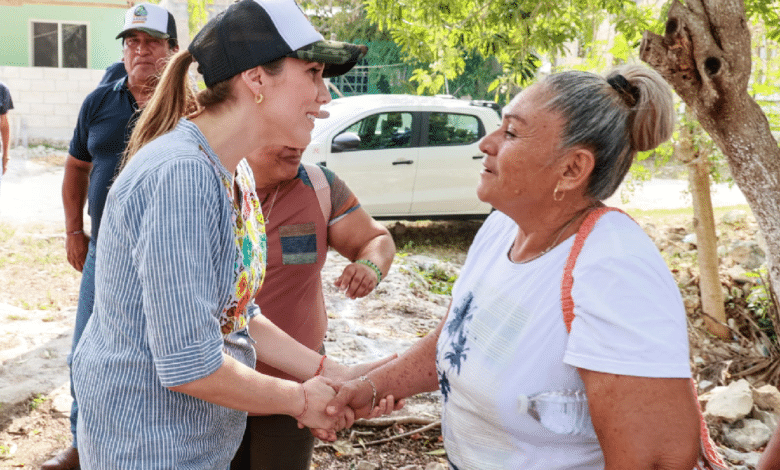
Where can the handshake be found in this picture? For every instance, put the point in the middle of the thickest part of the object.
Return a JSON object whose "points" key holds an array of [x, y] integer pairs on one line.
{"points": [[333, 400]]}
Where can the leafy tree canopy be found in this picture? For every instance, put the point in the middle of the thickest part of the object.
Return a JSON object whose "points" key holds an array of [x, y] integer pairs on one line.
{"points": [[344, 20], [517, 33], [442, 37], [766, 12]]}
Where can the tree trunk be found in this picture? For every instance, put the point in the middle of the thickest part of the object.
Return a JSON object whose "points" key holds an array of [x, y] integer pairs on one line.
{"points": [[705, 55], [707, 248], [710, 290]]}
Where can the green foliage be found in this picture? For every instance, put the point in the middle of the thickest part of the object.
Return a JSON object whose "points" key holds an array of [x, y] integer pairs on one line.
{"points": [[344, 20], [54, 146], [478, 75], [198, 12], [37, 401], [765, 78], [427, 81], [442, 34], [6, 232], [764, 87], [703, 144], [761, 304], [766, 12], [439, 282]]}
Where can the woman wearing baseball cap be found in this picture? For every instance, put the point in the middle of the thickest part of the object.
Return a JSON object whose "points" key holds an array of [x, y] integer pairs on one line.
{"points": [[164, 372]]}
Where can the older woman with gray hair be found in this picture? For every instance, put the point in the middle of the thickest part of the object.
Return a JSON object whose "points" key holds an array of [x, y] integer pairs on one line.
{"points": [[565, 344]]}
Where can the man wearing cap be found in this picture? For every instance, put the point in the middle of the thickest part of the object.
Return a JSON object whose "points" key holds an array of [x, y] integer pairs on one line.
{"points": [[103, 128]]}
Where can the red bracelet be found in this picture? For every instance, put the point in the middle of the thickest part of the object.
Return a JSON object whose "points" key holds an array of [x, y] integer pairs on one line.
{"points": [[305, 404], [322, 363]]}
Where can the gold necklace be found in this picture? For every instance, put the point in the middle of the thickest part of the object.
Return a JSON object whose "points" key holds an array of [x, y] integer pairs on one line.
{"points": [[553, 244], [273, 201]]}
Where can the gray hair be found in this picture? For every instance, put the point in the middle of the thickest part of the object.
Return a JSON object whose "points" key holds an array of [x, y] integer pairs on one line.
{"points": [[613, 117]]}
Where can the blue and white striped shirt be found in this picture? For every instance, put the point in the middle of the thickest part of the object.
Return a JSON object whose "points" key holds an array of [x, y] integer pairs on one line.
{"points": [[165, 272]]}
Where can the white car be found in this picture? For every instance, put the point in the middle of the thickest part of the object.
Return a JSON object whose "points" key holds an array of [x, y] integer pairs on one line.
{"points": [[404, 156]]}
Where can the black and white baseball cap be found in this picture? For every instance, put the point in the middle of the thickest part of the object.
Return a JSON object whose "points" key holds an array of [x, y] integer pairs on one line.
{"points": [[153, 20], [254, 32]]}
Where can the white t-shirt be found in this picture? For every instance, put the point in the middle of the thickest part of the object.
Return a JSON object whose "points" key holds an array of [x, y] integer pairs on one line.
{"points": [[505, 337]]}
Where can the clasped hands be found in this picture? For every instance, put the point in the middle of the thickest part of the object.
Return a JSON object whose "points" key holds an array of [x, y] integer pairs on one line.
{"points": [[335, 399]]}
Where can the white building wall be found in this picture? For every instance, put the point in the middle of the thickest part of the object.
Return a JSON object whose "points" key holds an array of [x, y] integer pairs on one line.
{"points": [[46, 101]]}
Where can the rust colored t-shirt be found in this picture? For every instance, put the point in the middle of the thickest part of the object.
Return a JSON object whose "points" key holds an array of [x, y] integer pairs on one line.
{"points": [[297, 233]]}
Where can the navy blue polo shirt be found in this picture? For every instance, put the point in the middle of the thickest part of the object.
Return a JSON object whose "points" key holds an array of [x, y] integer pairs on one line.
{"points": [[101, 135], [6, 104], [114, 72]]}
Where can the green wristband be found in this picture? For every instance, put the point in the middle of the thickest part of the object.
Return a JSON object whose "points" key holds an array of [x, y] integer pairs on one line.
{"points": [[371, 265]]}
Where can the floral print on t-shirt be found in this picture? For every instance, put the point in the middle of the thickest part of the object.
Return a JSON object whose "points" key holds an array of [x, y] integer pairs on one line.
{"points": [[456, 351], [251, 243]]}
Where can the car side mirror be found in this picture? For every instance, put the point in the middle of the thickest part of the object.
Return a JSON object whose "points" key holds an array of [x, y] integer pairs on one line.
{"points": [[345, 141]]}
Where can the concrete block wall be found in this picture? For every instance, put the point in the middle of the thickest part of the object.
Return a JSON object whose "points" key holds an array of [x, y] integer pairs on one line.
{"points": [[46, 102]]}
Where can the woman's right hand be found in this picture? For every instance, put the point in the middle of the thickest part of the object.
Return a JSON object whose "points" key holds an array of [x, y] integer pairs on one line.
{"points": [[355, 395], [385, 406]]}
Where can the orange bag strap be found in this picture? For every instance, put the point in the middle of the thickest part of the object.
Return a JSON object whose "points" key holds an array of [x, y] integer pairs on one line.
{"points": [[568, 271], [709, 457], [321, 188]]}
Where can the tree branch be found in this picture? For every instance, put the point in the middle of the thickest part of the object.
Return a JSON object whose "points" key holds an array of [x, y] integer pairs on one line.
{"points": [[386, 421], [435, 424]]}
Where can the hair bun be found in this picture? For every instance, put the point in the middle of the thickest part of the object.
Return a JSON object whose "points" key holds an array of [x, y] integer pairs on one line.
{"points": [[627, 91], [653, 110]]}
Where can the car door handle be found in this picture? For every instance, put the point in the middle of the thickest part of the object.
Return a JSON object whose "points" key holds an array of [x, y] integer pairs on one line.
{"points": [[403, 162], [477, 157]]}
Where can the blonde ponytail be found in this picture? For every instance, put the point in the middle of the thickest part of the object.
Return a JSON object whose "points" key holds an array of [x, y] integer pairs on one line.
{"points": [[173, 98]]}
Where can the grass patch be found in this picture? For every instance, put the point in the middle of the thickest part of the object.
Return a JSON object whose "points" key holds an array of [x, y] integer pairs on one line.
{"points": [[6, 232], [37, 401], [53, 159], [439, 281], [447, 240], [34, 269], [677, 212]]}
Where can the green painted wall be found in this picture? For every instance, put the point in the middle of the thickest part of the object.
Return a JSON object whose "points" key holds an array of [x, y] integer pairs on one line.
{"points": [[103, 24]]}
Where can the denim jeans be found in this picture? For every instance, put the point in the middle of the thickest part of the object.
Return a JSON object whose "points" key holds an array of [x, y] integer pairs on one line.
{"points": [[83, 312]]}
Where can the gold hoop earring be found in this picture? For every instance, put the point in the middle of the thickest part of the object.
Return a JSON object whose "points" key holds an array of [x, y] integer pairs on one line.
{"points": [[556, 197], [259, 98]]}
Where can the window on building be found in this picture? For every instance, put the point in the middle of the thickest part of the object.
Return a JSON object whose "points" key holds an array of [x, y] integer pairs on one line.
{"points": [[59, 44]]}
